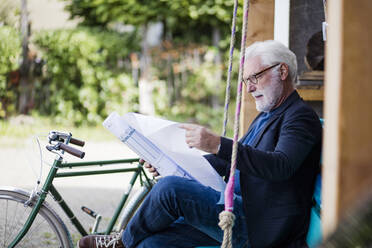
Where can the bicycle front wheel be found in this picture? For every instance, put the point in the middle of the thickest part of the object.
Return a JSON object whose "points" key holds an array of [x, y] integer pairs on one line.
{"points": [[133, 206], [47, 230]]}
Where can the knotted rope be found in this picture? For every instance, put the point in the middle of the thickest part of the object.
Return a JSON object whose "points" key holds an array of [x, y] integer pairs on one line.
{"points": [[226, 223], [227, 217]]}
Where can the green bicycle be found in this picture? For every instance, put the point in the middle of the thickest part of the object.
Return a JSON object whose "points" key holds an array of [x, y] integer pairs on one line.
{"points": [[26, 218]]}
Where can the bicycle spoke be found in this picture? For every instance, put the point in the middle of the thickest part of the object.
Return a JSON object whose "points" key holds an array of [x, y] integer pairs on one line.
{"points": [[5, 223], [6, 218], [17, 222], [6, 236], [14, 217], [35, 227], [13, 225], [2, 241]]}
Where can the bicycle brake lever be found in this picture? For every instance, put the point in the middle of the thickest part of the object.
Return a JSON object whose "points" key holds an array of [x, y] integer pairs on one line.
{"points": [[50, 148], [58, 136]]}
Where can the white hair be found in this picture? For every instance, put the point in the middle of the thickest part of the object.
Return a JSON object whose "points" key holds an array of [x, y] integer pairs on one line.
{"points": [[271, 52]]}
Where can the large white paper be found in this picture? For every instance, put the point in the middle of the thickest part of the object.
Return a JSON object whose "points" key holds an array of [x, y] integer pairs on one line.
{"points": [[162, 143]]}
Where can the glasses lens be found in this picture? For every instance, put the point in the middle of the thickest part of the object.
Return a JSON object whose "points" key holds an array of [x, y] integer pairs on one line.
{"points": [[252, 80]]}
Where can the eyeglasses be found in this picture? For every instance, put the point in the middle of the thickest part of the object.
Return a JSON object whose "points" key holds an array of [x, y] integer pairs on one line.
{"points": [[253, 79]]}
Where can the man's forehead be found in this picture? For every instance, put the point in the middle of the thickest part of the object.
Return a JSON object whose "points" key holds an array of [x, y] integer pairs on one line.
{"points": [[251, 65]]}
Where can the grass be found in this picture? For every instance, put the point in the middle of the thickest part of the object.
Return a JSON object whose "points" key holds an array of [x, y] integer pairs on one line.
{"points": [[15, 131]]}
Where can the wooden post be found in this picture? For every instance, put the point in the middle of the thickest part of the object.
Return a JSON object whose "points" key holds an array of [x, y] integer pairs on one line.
{"points": [[260, 27], [347, 150]]}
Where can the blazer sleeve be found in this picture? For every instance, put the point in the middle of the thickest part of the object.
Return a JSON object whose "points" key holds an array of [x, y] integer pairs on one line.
{"points": [[220, 165], [298, 135]]}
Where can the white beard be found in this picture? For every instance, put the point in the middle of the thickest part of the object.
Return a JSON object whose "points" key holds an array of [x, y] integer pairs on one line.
{"points": [[270, 95]]}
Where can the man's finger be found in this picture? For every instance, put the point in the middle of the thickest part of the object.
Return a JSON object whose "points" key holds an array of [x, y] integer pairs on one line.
{"points": [[189, 142], [188, 134], [187, 126]]}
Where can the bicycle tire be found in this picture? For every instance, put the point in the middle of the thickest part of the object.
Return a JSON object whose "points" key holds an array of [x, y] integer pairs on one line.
{"points": [[132, 206], [47, 230]]}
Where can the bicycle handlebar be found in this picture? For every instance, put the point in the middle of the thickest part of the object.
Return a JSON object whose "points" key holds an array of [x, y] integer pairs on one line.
{"points": [[71, 150], [77, 142]]}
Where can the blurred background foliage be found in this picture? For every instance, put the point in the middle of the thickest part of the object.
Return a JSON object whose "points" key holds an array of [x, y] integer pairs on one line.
{"points": [[85, 76], [10, 50], [80, 75]]}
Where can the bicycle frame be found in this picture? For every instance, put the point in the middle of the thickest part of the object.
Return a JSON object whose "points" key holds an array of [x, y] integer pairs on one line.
{"points": [[49, 187]]}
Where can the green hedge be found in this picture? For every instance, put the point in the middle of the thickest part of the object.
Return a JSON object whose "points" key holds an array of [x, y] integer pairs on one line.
{"points": [[86, 74], [10, 51], [198, 94], [84, 77]]}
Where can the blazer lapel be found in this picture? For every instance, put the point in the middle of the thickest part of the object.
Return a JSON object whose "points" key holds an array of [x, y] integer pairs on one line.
{"points": [[263, 130], [278, 112]]}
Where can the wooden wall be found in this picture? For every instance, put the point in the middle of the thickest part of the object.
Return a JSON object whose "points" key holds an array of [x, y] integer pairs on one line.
{"points": [[260, 27], [347, 146], [347, 150]]}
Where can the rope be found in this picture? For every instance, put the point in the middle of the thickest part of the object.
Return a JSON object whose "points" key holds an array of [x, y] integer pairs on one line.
{"points": [[228, 83], [227, 217], [226, 223]]}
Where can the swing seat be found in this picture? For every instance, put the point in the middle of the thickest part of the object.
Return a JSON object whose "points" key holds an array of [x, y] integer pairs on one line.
{"points": [[314, 235]]}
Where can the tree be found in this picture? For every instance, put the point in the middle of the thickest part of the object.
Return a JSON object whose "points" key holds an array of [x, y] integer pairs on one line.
{"points": [[25, 83], [191, 19], [185, 22], [10, 50], [9, 13], [99, 12]]}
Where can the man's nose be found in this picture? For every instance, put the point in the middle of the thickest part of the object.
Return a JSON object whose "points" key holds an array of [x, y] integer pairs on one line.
{"points": [[251, 88]]}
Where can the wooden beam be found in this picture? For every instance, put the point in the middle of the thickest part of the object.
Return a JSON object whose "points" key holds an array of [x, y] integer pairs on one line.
{"points": [[311, 93], [312, 76], [347, 156], [260, 27]]}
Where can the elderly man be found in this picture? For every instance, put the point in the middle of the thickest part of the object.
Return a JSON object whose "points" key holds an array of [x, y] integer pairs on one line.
{"points": [[278, 159]]}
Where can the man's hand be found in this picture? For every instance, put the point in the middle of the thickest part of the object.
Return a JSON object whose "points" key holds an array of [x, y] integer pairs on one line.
{"points": [[201, 138], [149, 167]]}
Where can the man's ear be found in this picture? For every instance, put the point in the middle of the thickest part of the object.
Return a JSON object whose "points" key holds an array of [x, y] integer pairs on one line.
{"points": [[284, 71]]}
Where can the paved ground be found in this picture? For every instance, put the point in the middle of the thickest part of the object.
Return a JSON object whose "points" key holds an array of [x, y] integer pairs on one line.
{"points": [[19, 167]]}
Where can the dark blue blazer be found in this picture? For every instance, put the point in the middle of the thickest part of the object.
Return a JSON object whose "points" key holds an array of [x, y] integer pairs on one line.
{"points": [[277, 174]]}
